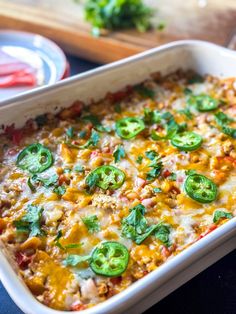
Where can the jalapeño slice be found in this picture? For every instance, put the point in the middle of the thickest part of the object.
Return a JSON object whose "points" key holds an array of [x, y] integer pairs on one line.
{"points": [[109, 259], [35, 158], [204, 103], [186, 141], [106, 177], [200, 188], [129, 127]]}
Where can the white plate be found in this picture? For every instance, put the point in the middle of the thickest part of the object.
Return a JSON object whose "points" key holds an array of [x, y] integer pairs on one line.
{"points": [[38, 52]]}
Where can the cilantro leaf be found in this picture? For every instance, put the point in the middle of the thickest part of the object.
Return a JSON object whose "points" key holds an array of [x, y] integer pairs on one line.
{"points": [[82, 134], [73, 259], [93, 141], [92, 223], [119, 153], [219, 214], [144, 91], [60, 190], [70, 132], [96, 123], [31, 221], [79, 168], [156, 166], [68, 246], [223, 121], [117, 108], [115, 15], [139, 159], [162, 232], [91, 181], [172, 176], [151, 154], [196, 78], [167, 121], [47, 182], [157, 190], [187, 113]]}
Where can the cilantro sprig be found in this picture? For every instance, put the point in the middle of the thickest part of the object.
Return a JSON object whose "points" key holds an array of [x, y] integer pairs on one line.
{"points": [[119, 153], [91, 223], [31, 221], [118, 14], [136, 228]]}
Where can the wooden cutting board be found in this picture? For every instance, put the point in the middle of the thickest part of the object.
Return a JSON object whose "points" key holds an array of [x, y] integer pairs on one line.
{"points": [[63, 22]]}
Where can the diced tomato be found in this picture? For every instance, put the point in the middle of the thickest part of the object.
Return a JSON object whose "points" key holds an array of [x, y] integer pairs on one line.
{"points": [[116, 280], [227, 159], [165, 251], [78, 307], [77, 108], [15, 135], [166, 173], [12, 152], [175, 190], [209, 230], [118, 96], [23, 260]]}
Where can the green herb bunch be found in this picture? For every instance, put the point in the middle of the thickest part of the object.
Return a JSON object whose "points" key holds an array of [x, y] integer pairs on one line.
{"points": [[118, 14]]}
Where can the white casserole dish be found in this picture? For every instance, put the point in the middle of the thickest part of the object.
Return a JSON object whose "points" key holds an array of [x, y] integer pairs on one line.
{"points": [[199, 56]]}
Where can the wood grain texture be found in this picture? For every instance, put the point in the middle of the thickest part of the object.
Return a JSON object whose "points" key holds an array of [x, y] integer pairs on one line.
{"points": [[62, 21]]}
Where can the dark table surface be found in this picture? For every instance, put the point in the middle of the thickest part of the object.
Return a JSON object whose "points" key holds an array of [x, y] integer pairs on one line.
{"points": [[211, 292]]}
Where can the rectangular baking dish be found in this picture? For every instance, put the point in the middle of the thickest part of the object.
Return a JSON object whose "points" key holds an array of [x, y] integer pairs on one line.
{"points": [[202, 57]]}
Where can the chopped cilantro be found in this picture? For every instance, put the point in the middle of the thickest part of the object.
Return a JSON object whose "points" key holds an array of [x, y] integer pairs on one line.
{"points": [[41, 120], [219, 214], [82, 134], [144, 91], [119, 153], [187, 113], [31, 221], [151, 154], [187, 91], [223, 121], [162, 233], [65, 247], [196, 78], [60, 190], [70, 132], [139, 159], [172, 176], [79, 168], [73, 259], [91, 181], [115, 15], [46, 181], [117, 108], [157, 190], [135, 227], [92, 223], [156, 166], [96, 123], [93, 141]]}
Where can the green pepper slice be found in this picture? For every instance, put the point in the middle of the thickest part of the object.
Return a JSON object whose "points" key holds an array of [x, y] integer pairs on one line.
{"points": [[106, 177], [204, 103], [200, 188], [109, 259], [186, 141], [35, 158], [129, 127]]}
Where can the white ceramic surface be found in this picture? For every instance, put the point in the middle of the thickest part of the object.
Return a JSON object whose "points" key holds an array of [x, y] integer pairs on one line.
{"points": [[200, 56]]}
